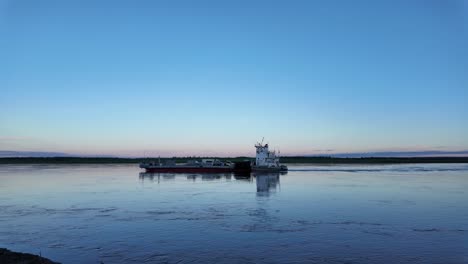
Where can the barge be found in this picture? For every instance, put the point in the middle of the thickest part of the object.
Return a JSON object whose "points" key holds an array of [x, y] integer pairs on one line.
{"points": [[265, 161], [193, 166]]}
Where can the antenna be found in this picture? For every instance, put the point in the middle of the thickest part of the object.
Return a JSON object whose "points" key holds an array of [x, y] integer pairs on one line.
{"points": [[262, 140]]}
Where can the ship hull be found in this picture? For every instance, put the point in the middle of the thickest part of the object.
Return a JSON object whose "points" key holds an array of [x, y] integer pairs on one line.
{"points": [[189, 169], [282, 168]]}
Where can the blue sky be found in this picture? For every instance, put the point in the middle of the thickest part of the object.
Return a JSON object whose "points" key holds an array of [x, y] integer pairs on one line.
{"points": [[213, 77]]}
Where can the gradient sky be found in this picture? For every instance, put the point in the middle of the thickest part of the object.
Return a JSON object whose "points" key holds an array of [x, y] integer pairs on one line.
{"points": [[213, 77]]}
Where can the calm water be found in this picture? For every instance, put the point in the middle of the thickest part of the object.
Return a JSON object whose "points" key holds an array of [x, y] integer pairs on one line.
{"points": [[315, 214]]}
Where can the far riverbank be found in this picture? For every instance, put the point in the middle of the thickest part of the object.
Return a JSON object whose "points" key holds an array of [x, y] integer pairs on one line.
{"points": [[286, 159]]}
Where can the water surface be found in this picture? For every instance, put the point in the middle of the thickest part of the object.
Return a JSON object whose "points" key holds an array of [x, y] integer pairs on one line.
{"points": [[316, 214]]}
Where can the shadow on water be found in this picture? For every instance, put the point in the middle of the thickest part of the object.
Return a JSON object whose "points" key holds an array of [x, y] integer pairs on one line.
{"points": [[266, 182]]}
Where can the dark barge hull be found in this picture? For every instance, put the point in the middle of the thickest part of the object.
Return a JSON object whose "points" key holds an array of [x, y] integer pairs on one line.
{"points": [[239, 167], [188, 170]]}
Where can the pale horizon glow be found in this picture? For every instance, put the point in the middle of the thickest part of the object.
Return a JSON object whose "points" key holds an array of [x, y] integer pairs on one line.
{"points": [[211, 78]]}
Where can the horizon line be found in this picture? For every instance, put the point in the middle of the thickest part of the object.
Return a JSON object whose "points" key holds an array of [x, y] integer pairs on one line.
{"points": [[374, 154]]}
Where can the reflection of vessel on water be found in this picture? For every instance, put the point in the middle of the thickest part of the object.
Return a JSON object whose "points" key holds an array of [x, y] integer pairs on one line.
{"points": [[243, 177], [170, 176], [158, 176], [211, 177], [244, 173], [267, 182]]}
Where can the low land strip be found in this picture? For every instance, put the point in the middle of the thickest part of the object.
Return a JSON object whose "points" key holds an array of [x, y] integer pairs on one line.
{"points": [[286, 159]]}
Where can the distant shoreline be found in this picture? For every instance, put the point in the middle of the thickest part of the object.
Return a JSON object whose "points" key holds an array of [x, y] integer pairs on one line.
{"points": [[288, 159]]}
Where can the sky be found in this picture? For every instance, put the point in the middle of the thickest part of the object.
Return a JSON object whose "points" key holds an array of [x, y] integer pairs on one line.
{"points": [[148, 78]]}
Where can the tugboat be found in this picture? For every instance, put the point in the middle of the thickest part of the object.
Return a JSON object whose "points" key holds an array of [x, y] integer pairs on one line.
{"points": [[266, 160]]}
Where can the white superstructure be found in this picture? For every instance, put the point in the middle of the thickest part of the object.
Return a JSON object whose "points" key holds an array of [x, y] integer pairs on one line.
{"points": [[265, 157]]}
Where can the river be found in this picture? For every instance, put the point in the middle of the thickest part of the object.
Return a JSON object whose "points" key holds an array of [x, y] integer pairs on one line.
{"points": [[413, 213]]}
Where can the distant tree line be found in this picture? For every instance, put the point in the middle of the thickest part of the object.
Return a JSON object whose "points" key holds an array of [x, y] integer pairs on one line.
{"points": [[285, 159]]}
